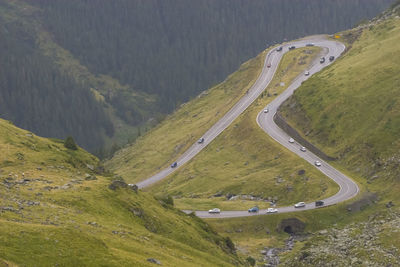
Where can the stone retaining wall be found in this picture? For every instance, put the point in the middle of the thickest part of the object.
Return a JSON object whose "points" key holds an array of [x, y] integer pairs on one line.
{"points": [[280, 121]]}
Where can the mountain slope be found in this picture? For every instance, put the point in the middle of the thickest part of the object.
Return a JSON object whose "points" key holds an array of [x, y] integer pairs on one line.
{"points": [[44, 88], [57, 208], [125, 64], [243, 166], [352, 110], [242, 161]]}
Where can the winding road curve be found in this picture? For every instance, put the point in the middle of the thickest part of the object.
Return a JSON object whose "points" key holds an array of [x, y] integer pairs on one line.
{"points": [[348, 188]]}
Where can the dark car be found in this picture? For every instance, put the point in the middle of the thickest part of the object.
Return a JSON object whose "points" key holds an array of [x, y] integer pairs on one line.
{"points": [[292, 47], [279, 49], [310, 44], [322, 60], [173, 165], [201, 140], [319, 203], [254, 209], [331, 58]]}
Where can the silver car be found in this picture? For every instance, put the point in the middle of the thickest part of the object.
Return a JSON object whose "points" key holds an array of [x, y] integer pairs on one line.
{"points": [[215, 210], [300, 205]]}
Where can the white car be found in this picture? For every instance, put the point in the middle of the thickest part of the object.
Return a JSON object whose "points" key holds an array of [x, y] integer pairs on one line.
{"points": [[215, 210], [291, 140], [306, 73], [266, 110], [303, 149], [300, 205], [272, 210], [317, 163]]}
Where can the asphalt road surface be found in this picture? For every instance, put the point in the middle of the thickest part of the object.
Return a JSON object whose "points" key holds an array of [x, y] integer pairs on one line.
{"points": [[348, 188]]}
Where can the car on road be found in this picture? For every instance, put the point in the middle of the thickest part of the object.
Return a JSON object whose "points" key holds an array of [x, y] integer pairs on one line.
{"points": [[279, 49], [266, 110], [310, 44], [173, 165], [292, 47], [331, 58], [291, 140], [201, 140], [269, 65], [300, 205], [317, 163], [254, 209], [272, 210], [319, 203], [215, 210], [306, 73], [303, 149], [322, 60]]}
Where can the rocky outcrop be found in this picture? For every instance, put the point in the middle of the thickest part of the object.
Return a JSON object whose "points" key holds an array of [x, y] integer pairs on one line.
{"points": [[359, 244]]}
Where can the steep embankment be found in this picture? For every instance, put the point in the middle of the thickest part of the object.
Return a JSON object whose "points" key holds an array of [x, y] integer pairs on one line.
{"points": [[57, 208], [352, 110]]}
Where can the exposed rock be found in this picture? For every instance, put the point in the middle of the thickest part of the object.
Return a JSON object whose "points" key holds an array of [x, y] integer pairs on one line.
{"points": [[301, 172], [90, 178], [66, 186], [7, 208], [389, 204], [90, 167], [117, 184], [218, 194], [133, 187], [152, 260]]}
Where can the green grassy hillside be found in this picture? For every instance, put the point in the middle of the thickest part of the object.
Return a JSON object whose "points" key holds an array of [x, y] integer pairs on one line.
{"points": [[244, 161], [159, 147], [56, 208], [352, 109]]}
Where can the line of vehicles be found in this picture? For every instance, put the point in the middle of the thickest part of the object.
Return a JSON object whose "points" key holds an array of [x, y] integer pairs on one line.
{"points": [[317, 163], [303, 149], [256, 209], [200, 141]]}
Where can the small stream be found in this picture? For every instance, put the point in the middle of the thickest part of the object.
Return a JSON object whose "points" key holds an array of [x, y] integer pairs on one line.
{"points": [[271, 258]]}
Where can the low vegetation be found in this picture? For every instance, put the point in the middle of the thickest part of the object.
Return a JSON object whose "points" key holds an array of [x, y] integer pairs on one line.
{"points": [[349, 111], [158, 148], [244, 167], [59, 207]]}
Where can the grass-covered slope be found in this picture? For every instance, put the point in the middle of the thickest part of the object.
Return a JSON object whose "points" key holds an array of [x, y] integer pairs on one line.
{"points": [[352, 109], [56, 209], [244, 162], [159, 147]]}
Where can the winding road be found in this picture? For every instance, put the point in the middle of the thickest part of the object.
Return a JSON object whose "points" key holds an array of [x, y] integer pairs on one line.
{"points": [[348, 188]]}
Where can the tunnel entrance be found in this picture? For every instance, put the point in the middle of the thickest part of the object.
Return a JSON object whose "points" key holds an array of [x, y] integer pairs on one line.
{"points": [[291, 226], [288, 229]]}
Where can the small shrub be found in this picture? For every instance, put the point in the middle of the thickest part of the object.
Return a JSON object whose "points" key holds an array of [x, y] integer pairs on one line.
{"points": [[230, 244], [70, 143], [251, 261]]}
